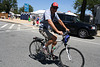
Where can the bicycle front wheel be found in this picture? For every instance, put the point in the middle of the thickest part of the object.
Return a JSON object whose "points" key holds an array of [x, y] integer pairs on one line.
{"points": [[71, 58], [35, 47]]}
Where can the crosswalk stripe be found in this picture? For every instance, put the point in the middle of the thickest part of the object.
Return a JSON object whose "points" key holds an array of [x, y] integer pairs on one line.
{"points": [[11, 26], [33, 28], [4, 25], [18, 28]]}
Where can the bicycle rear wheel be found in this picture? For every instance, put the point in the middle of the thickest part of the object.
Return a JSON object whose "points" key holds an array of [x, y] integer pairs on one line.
{"points": [[35, 47], [76, 58]]}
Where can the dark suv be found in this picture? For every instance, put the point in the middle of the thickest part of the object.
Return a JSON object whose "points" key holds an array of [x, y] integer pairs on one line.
{"points": [[76, 26]]}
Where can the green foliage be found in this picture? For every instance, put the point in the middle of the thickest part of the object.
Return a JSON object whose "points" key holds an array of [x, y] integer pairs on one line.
{"points": [[1, 9], [30, 8], [21, 9], [89, 6], [8, 4], [77, 5], [91, 3]]}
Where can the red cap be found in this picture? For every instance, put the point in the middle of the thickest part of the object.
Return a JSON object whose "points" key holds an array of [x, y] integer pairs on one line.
{"points": [[54, 4]]}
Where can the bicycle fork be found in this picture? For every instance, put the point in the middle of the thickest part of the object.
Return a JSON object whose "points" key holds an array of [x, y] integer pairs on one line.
{"points": [[68, 54]]}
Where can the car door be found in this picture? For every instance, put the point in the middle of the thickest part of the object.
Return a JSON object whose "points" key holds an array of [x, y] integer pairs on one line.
{"points": [[69, 22], [58, 26]]}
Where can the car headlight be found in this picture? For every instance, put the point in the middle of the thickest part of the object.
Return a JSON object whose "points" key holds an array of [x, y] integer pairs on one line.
{"points": [[93, 28]]}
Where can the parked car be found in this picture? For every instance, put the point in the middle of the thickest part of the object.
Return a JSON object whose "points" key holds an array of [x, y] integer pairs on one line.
{"points": [[76, 26]]}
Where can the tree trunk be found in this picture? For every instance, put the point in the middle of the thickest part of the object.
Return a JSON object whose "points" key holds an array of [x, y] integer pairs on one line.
{"points": [[83, 8]]}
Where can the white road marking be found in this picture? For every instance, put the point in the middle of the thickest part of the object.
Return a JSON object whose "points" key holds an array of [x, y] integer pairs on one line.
{"points": [[11, 26], [18, 27], [4, 25], [33, 28]]}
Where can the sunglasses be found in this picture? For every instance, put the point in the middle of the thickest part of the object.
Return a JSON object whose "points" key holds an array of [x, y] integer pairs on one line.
{"points": [[55, 7]]}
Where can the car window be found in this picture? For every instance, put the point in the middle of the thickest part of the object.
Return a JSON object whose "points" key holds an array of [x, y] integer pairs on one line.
{"points": [[68, 18], [61, 16], [64, 17]]}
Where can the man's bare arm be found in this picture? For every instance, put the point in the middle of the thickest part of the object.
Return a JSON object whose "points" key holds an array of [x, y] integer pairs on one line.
{"points": [[61, 23], [53, 26]]}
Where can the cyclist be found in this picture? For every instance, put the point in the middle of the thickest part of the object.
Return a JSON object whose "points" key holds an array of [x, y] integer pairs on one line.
{"points": [[46, 25]]}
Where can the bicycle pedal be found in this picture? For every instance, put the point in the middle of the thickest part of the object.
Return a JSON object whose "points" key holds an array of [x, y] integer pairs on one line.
{"points": [[55, 58]]}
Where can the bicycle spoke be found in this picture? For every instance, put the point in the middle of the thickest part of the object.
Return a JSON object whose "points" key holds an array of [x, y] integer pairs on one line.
{"points": [[71, 58], [35, 47]]}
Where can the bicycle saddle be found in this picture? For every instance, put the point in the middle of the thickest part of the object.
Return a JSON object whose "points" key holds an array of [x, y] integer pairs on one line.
{"points": [[37, 38]]}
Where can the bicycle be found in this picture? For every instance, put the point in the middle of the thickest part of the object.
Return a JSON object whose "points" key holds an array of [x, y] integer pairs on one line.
{"points": [[68, 57]]}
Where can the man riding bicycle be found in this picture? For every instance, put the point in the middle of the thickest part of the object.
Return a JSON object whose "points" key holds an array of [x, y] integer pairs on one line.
{"points": [[47, 25]]}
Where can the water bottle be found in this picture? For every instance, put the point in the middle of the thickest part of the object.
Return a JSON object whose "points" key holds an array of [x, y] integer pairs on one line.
{"points": [[53, 48]]}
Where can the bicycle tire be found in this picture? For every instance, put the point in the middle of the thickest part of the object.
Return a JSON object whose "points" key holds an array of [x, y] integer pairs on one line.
{"points": [[76, 55], [35, 47]]}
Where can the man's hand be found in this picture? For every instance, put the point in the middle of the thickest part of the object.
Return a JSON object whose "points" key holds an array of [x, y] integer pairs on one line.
{"points": [[67, 29], [60, 32]]}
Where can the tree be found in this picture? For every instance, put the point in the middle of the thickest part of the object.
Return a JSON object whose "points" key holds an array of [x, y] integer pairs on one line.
{"points": [[8, 4], [83, 8], [22, 9], [91, 3], [89, 6], [30, 8], [1, 9], [77, 5]]}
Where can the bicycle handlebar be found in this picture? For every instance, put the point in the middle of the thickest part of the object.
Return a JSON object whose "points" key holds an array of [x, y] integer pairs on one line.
{"points": [[65, 37], [66, 33]]}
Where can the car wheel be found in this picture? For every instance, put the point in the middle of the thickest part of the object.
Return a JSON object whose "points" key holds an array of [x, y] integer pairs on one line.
{"points": [[83, 33]]}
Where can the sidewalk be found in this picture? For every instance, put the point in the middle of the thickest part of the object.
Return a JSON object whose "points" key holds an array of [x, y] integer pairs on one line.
{"points": [[98, 33], [24, 22], [27, 23]]}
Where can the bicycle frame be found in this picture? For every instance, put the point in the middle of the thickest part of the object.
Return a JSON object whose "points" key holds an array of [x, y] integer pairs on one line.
{"points": [[62, 42], [59, 44]]}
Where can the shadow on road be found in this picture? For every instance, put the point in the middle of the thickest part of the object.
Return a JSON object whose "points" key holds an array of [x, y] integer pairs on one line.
{"points": [[91, 37], [44, 62]]}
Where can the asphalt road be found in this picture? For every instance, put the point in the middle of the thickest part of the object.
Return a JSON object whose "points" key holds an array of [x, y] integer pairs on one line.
{"points": [[14, 47]]}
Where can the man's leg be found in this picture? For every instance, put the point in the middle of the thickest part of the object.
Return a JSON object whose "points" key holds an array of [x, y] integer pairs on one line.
{"points": [[48, 43], [54, 38], [51, 38], [53, 44], [51, 41]]}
